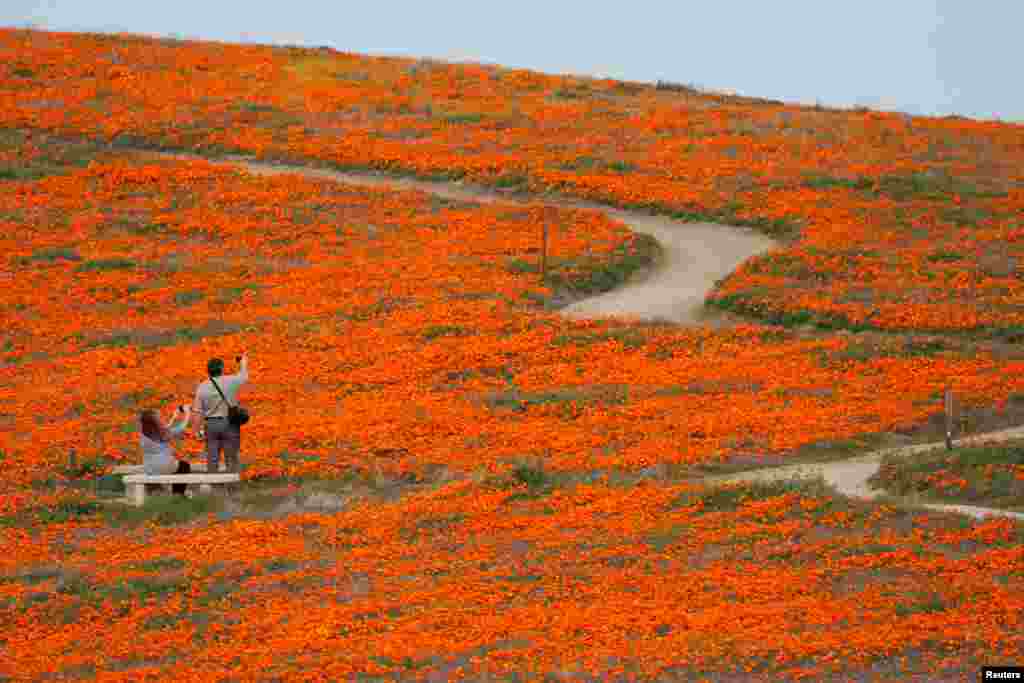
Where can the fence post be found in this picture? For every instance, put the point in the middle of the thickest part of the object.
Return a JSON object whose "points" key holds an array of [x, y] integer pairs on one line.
{"points": [[949, 418], [544, 255]]}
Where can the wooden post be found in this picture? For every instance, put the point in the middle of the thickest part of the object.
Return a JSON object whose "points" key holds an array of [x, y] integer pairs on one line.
{"points": [[949, 418], [544, 255]]}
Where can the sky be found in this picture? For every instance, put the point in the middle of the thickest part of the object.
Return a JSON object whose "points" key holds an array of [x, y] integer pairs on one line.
{"points": [[935, 57]]}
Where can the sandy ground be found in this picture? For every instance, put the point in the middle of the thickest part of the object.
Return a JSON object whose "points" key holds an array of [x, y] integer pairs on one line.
{"points": [[694, 257]]}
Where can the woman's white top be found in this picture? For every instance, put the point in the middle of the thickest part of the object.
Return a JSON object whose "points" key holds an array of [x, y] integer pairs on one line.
{"points": [[158, 456]]}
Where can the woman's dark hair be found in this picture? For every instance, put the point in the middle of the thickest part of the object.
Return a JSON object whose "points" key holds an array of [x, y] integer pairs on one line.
{"points": [[215, 367], [151, 426]]}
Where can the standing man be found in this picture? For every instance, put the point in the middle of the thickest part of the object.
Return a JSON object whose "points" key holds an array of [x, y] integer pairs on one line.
{"points": [[210, 413]]}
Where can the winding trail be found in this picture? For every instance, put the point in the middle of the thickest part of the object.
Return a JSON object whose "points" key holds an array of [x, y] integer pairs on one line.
{"points": [[694, 256], [850, 476]]}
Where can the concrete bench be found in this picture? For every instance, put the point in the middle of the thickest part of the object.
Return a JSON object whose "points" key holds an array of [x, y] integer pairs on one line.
{"points": [[140, 469], [135, 484]]}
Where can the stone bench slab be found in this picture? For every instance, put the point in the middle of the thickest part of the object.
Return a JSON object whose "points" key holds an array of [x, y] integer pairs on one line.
{"points": [[135, 484], [139, 469], [193, 478]]}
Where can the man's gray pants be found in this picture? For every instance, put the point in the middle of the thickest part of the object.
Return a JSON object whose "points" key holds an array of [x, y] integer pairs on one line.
{"points": [[222, 436]]}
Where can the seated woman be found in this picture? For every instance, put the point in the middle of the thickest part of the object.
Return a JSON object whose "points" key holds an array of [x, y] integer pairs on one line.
{"points": [[157, 454]]}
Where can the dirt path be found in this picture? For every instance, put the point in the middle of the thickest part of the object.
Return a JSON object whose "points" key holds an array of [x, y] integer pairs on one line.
{"points": [[850, 477], [694, 256]]}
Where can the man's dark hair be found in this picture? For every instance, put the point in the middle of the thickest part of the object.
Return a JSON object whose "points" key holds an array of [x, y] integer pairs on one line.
{"points": [[215, 368]]}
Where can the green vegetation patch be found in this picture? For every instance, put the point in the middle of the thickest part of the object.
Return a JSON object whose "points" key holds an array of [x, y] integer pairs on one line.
{"points": [[827, 182], [991, 475], [732, 214], [732, 497], [571, 398], [921, 603], [531, 482], [36, 575], [578, 92], [930, 185], [595, 277], [50, 255], [589, 164], [105, 264], [79, 469], [437, 331], [512, 181], [162, 564], [188, 298], [945, 256], [629, 338], [48, 157], [965, 216], [462, 119], [748, 303], [123, 591], [166, 510], [520, 266], [58, 513], [153, 340], [230, 295]]}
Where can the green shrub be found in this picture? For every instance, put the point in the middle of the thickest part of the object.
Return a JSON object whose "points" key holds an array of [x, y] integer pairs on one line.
{"points": [[188, 298], [436, 331], [230, 295], [532, 480], [917, 348], [522, 266], [162, 564], [945, 257], [823, 182], [462, 119], [51, 254], [597, 165], [512, 180], [67, 510], [100, 265], [532, 477]]}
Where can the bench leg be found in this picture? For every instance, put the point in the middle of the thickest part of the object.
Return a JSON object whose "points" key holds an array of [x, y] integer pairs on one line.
{"points": [[137, 493], [205, 489]]}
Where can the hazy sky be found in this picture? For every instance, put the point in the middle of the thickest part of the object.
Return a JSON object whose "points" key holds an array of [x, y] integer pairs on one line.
{"points": [[919, 56]]}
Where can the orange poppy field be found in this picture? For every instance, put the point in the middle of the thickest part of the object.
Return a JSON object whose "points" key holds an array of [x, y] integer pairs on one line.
{"points": [[505, 492]]}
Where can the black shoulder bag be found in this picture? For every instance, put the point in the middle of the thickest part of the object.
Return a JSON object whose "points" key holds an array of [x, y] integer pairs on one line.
{"points": [[237, 415]]}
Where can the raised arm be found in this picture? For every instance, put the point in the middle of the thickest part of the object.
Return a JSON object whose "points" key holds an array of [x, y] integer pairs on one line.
{"points": [[196, 414], [243, 369], [179, 421]]}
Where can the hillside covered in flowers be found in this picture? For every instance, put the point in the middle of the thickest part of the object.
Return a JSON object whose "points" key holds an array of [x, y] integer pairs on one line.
{"points": [[510, 492]]}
